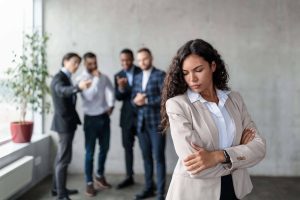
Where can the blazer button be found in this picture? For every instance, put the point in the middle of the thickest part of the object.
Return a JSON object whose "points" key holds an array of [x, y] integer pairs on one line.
{"points": [[241, 158]]}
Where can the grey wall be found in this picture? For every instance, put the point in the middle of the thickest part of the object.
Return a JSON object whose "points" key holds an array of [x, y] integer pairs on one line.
{"points": [[259, 41]]}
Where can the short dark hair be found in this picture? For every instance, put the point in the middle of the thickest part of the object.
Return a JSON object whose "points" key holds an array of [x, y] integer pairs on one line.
{"points": [[68, 56], [127, 51], [144, 49], [89, 55]]}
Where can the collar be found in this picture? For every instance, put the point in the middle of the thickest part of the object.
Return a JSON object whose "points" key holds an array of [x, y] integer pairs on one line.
{"points": [[194, 96], [86, 73], [66, 72], [148, 71], [130, 70]]}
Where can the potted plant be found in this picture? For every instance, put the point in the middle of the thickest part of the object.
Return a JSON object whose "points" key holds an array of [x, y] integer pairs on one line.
{"points": [[26, 81]]}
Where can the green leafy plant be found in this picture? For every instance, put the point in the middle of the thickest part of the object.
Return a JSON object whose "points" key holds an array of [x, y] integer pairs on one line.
{"points": [[26, 80]]}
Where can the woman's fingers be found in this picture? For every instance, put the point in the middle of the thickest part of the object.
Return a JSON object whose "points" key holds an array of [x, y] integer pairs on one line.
{"points": [[245, 133], [248, 136], [189, 157], [201, 168], [193, 167], [190, 162], [196, 147]]}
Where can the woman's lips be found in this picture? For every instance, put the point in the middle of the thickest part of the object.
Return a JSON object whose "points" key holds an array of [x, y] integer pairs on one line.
{"points": [[195, 86]]}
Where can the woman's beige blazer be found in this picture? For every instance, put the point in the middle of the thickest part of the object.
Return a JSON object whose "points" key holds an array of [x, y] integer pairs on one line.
{"points": [[192, 123]]}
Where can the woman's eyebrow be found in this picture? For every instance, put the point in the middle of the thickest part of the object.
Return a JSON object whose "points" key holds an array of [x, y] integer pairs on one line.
{"points": [[197, 66], [194, 68]]}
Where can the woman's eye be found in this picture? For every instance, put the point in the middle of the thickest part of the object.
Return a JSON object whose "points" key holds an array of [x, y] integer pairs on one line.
{"points": [[199, 70]]}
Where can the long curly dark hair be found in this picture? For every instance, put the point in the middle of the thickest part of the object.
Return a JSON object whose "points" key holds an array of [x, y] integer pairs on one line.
{"points": [[174, 83]]}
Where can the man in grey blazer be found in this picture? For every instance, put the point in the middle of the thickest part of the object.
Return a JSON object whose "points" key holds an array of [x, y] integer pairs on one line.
{"points": [[65, 120]]}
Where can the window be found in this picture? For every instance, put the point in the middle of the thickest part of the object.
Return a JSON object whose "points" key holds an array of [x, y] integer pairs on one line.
{"points": [[16, 17]]}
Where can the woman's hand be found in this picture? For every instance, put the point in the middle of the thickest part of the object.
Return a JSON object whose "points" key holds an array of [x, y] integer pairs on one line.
{"points": [[202, 159], [248, 135]]}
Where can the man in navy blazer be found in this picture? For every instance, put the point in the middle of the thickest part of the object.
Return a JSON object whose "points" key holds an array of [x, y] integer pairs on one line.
{"points": [[146, 96], [123, 88]]}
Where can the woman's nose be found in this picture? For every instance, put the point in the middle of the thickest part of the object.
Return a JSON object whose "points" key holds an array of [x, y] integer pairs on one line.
{"points": [[193, 78]]}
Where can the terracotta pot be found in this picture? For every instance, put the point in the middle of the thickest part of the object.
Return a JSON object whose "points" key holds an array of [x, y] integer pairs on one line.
{"points": [[21, 132]]}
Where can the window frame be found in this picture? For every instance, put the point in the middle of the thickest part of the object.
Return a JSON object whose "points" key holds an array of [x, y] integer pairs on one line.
{"points": [[37, 25]]}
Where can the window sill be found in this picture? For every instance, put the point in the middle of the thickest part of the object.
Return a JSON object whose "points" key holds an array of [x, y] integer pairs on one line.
{"points": [[10, 147], [4, 141]]}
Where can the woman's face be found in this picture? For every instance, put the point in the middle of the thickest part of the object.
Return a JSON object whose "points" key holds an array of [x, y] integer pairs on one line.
{"points": [[198, 73], [72, 64]]}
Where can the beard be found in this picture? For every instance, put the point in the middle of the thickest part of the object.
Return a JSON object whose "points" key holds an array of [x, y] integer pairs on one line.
{"points": [[90, 70]]}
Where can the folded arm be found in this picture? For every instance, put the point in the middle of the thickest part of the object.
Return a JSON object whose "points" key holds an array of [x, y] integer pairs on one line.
{"points": [[184, 137], [247, 155]]}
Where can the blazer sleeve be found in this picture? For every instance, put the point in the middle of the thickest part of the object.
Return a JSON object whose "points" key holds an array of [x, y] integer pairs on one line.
{"points": [[121, 95], [183, 135], [156, 99], [244, 156], [63, 90]]}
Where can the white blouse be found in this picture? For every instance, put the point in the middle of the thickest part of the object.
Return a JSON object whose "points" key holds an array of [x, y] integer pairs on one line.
{"points": [[220, 115]]}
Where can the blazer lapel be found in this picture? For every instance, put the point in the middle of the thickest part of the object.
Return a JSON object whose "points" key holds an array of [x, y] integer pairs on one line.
{"points": [[210, 124], [66, 78], [235, 116], [139, 81]]}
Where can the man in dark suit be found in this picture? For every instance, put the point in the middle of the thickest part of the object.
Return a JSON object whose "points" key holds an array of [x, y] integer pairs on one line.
{"points": [[65, 120], [123, 87], [146, 96]]}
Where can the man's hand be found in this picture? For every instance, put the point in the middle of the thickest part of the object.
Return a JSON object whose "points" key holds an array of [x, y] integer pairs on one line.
{"points": [[139, 99], [202, 159], [96, 73], [122, 82], [110, 110], [84, 84], [247, 136]]}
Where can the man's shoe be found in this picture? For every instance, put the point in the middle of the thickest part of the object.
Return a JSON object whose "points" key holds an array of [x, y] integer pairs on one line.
{"points": [[145, 194], [125, 183], [101, 183], [69, 192], [64, 198], [90, 190]]}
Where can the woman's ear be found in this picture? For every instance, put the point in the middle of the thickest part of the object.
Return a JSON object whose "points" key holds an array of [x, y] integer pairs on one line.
{"points": [[213, 66]]}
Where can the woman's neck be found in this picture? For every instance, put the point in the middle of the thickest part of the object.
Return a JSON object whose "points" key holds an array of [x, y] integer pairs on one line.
{"points": [[210, 95]]}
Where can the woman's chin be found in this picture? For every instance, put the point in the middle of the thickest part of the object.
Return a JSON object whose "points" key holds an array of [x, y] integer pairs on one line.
{"points": [[196, 90]]}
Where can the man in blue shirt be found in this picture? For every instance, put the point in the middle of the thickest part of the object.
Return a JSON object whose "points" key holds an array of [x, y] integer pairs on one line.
{"points": [[123, 86]]}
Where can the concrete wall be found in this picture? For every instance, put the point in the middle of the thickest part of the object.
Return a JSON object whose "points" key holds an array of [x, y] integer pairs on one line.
{"points": [[259, 41]]}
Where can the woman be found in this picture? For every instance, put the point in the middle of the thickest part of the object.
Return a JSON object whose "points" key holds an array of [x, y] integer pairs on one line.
{"points": [[213, 133]]}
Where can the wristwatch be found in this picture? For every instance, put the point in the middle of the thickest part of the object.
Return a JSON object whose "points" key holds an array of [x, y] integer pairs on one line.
{"points": [[227, 157]]}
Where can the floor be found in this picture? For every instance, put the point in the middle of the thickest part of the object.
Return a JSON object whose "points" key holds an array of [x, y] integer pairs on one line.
{"points": [[265, 188]]}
